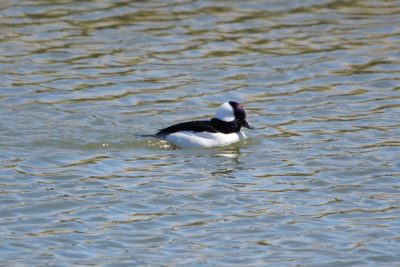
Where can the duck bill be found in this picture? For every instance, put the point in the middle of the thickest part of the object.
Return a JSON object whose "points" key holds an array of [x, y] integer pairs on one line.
{"points": [[246, 124]]}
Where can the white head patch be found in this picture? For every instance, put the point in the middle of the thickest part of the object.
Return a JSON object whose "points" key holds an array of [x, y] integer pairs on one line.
{"points": [[225, 112]]}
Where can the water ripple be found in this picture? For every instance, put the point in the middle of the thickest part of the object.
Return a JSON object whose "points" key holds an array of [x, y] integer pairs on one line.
{"points": [[316, 185]]}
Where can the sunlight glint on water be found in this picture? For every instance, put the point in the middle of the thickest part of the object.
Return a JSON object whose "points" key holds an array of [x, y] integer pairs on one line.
{"points": [[316, 185]]}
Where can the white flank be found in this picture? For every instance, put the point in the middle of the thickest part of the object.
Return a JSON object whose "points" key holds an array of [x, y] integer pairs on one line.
{"points": [[187, 139], [225, 112]]}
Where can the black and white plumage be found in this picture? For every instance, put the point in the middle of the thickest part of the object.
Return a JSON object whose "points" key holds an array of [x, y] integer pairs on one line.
{"points": [[222, 130]]}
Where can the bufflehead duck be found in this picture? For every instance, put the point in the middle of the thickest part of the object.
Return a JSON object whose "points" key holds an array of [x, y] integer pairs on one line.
{"points": [[222, 130]]}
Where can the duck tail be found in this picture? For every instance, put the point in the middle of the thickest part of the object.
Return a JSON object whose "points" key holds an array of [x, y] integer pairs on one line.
{"points": [[146, 135]]}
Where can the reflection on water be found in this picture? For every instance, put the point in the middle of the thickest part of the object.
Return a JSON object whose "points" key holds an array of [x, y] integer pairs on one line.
{"points": [[317, 185]]}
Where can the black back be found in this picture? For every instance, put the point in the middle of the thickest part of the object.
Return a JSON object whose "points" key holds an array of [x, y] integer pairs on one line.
{"points": [[225, 127], [213, 126], [194, 126]]}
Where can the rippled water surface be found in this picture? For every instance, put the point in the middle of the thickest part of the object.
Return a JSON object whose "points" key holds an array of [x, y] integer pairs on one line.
{"points": [[317, 185]]}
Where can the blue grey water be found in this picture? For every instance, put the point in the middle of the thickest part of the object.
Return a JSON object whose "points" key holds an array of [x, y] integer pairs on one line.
{"points": [[317, 185]]}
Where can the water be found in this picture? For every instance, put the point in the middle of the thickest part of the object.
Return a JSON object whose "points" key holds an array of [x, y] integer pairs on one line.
{"points": [[318, 185]]}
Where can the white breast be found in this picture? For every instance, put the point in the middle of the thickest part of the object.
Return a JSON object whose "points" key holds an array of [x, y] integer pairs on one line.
{"points": [[188, 139]]}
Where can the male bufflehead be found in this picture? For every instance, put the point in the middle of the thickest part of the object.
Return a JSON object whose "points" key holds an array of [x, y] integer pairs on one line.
{"points": [[222, 130]]}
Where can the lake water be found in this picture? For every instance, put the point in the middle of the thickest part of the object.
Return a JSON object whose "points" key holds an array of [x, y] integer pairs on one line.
{"points": [[317, 185]]}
